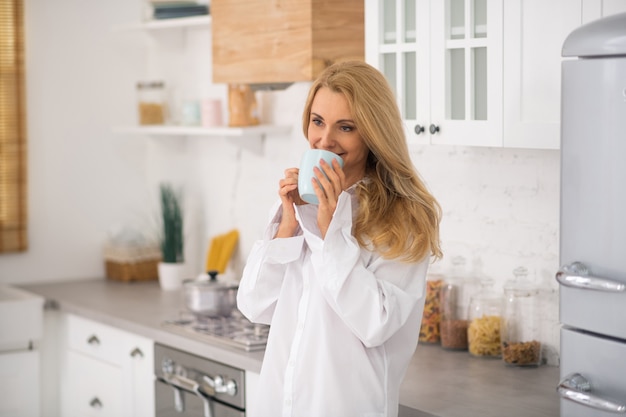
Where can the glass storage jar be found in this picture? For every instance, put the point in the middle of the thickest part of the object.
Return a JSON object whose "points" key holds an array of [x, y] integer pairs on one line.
{"points": [[455, 295], [151, 102], [429, 330], [453, 326], [520, 322], [483, 333]]}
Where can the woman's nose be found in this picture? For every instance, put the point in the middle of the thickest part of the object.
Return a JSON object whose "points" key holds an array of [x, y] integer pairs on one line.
{"points": [[326, 139]]}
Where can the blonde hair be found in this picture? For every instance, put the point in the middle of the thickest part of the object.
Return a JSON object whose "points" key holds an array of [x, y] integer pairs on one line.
{"points": [[397, 214]]}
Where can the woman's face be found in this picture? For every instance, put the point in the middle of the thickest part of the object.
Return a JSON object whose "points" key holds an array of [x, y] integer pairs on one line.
{"points": [[332, 128]]}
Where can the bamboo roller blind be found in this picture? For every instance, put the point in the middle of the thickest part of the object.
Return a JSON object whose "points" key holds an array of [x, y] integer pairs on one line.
{"points": [[13, 168]]}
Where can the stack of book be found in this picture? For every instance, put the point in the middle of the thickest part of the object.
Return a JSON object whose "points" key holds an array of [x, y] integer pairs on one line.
{"points": [[171, 9]]}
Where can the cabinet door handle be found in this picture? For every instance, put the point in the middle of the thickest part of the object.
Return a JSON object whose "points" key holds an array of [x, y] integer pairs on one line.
{"points": [[93, 340], [136, 353], [95, 403], [577, 388], [419, 129], [433, 129]]}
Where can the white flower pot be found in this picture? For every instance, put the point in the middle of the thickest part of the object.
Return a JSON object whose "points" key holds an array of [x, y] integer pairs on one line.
{"points": [[171, 275]]}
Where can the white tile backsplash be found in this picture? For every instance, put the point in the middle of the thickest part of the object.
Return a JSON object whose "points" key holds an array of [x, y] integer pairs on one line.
{"points": [[500, 210]]}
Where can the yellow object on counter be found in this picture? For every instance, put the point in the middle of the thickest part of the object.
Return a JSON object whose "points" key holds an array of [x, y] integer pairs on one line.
{"points": [[221, 250]]}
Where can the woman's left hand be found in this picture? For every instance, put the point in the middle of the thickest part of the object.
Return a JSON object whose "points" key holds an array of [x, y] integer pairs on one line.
{"points": [[331, 187]]}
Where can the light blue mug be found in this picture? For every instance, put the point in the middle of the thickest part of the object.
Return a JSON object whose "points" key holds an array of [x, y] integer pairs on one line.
{"points": [[311, 159]]}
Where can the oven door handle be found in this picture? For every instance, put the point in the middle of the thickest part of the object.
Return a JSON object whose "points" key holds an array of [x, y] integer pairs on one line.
{"points": [[577, 388], [180, 383]]}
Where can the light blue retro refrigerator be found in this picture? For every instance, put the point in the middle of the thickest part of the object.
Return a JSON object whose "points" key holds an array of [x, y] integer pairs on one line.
{"points": [[592, 275]]}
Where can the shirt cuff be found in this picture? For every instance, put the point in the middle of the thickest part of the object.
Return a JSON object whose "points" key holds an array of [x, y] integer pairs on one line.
{"points": [[284, 250]]}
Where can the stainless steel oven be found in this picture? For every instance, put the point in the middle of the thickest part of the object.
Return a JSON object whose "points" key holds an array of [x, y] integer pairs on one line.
{"points": [[190, 385]]}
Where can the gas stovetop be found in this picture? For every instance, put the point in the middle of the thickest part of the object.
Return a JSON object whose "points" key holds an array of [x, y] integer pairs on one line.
{"points": [[234, 330]]}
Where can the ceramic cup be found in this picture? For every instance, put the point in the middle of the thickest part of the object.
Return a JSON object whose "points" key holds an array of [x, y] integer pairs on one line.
{"points": [[310, 160], [212, 113]]}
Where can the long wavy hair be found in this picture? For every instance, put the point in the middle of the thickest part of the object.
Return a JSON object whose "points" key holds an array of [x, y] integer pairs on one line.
{"points": [[397, 214]]}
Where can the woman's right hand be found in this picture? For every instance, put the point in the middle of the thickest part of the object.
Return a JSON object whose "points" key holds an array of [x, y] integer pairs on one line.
{"points": [[288, 193]]}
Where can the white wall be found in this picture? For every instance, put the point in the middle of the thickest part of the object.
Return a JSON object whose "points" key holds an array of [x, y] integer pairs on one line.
{"points": [[81, 178], [500, 205]]}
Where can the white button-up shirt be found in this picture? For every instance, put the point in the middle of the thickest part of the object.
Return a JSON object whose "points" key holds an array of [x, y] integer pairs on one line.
{"points": [[344, 321]]}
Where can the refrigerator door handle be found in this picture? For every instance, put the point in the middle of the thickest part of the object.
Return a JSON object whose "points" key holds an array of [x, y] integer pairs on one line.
{"points": [[575, 387], [576, 275]]}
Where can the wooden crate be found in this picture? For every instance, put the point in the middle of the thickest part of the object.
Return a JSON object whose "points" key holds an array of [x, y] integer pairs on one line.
{"points": [[281, 41]]}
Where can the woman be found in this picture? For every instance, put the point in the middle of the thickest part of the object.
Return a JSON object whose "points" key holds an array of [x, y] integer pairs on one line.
{"points": [[342, 282]]}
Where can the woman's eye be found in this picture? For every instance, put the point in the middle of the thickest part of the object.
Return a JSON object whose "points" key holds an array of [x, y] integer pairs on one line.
{"points": [[346, 128], [316, 121]]}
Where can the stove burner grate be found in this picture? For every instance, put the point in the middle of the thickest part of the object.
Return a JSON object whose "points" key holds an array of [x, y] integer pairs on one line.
{"points": [[234, 330]]}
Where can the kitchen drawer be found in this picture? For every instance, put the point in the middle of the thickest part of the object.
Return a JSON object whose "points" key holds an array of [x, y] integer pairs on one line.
{"points": [[94, 388], [104, 342], [600, 361]]}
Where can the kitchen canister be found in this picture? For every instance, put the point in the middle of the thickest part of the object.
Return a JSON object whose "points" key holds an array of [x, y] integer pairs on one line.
{"points": [[520, 322], [191, 113], [242, 106], [454, 298], [429, 329], [212, 112], [485, 313], [453, 325], [151, 99]]}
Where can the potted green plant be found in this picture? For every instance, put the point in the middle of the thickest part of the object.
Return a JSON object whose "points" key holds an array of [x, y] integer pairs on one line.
{"points": [[172, 266]]}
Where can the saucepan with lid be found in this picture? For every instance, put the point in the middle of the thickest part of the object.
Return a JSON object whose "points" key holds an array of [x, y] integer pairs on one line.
{"points": [[210, 297]]}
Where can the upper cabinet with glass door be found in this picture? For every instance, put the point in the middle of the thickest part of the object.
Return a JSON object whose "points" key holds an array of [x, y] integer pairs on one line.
{"points": [[443, 58], [478, 72]]}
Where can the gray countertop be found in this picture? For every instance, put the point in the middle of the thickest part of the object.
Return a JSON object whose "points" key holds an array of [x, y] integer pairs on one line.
{"points": [[438, 382]]}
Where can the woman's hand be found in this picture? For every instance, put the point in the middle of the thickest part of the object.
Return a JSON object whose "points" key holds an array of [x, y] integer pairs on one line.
{"points": [[331, 187], [288, 193]]}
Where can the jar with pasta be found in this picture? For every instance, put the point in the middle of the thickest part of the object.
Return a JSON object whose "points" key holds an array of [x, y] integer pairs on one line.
{"points": [[520, 322], [483, 333], [151, 102], [429, 330]]}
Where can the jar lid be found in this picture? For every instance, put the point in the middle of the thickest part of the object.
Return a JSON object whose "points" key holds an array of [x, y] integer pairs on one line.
{"points": [[520, 284], [150, 84]]}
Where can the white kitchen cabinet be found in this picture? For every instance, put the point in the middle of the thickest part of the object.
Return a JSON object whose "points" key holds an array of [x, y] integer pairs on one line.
{"points": [[21, 332], [252, 384], [596, 9], [444, 61], [106, 371], [534, 32], [19, 373], [486, 72]]}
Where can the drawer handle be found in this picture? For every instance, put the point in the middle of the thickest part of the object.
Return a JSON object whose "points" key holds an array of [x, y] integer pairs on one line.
{"points": [[93, 340], [577, 388], [96, 403], [136, 353], [576, 275]]}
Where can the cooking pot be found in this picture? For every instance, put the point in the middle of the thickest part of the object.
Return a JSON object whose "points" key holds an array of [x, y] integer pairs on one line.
{"points": [[210, 297]]}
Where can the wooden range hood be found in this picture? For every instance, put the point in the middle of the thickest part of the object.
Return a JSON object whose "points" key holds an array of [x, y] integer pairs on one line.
{"points": [[283, 41]]}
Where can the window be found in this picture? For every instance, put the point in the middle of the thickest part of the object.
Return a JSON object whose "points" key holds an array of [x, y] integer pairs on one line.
{"points": [[13, 168]]}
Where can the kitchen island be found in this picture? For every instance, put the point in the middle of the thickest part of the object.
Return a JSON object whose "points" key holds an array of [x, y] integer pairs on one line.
{"points": [[438, 383]]}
